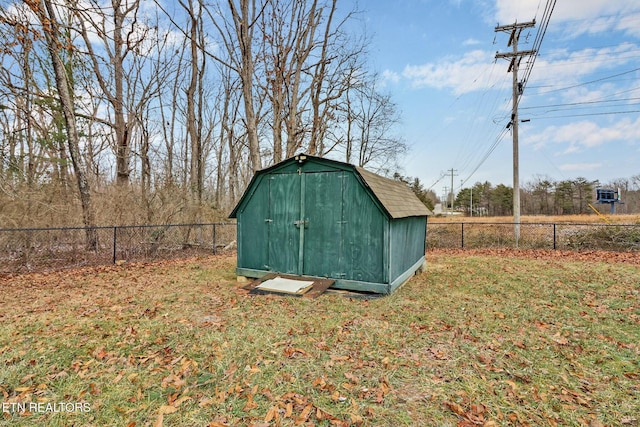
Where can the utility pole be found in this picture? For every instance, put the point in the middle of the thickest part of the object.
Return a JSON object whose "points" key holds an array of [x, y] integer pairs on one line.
{"points": [[515, 56], [470, 198], [452, 199], [445, 197]]}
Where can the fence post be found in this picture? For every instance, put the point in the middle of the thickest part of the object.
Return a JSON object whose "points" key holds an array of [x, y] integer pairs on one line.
{"points": [[462, 236], [554, 235], [115, 229], [214, 238]]}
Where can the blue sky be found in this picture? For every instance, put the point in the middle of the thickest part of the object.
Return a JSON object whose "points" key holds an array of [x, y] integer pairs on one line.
{"points": [[437, 60]]}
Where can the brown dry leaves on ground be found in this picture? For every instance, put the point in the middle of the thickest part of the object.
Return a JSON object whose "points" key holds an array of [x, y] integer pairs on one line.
{"points": [[484, 338], [542, 254]]}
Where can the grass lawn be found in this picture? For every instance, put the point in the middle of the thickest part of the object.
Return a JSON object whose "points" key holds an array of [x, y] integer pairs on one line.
{"points": [[480, 339]]}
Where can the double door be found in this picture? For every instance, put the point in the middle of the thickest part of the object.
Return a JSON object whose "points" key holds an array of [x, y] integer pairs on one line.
{"points": [[305, 222]]}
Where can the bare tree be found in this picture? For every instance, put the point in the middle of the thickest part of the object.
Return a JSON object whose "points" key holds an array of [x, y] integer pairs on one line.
{"points": [[341, 56], [121, 36], [288, 29], [194, 96], [45, 12], [241, 59], [306, 53], [17, 81], [371, 117]]}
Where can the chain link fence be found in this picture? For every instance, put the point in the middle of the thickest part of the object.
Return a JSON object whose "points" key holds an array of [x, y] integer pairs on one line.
{"points": [[36, 249], [472, 235]]}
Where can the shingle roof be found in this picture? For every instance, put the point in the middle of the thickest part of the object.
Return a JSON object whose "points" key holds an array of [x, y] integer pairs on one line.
{"points": [[397, 199]]}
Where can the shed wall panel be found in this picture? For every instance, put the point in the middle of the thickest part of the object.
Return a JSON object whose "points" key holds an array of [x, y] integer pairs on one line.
{"points": [[363, 235], [406, 244], [253, 233]]}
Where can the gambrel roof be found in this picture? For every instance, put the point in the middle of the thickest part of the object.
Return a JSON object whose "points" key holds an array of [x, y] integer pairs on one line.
{"points": [[396, 197]]}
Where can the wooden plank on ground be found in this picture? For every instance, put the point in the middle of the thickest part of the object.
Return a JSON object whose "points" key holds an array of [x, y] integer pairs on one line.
{"points": [[318, 288]]}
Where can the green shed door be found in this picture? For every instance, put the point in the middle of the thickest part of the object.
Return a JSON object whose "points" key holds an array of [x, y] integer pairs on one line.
{"points": [[284, 211], [323, 231]]}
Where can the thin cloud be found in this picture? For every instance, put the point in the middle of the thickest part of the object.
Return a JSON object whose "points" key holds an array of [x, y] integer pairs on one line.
{"points": [[579, 167], [471, 72], [579, 136], [389, 76], [508, 11], [474, 71]]}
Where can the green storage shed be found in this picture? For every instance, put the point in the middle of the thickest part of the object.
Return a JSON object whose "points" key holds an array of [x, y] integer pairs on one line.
{"points": [[316, 217]]}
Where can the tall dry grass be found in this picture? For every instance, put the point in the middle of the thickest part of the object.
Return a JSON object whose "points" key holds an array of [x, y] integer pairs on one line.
{"points": [[573, 219], [54, 206]]}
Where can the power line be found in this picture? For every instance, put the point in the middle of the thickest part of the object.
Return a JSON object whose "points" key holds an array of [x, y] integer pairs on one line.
{"points": [[592, 114], [491, 149], [546, 17], [590, 82], [581, 103]]}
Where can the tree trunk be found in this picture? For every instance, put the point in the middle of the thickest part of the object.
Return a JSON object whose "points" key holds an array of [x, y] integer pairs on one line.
{"points": [[244, 31], [48, 19], [195, 164], [120, 123]]}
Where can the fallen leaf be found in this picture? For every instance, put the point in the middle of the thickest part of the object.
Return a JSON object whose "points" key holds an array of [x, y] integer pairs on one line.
{"points": [[454, 407], [485, 359], [385, 362], [181, 400], [272, 414], [351, 377], [250, 404], [356, 419], [560, 339], [292, 352], [167, 409], [27, 378], [205, 401], [304, 415]]}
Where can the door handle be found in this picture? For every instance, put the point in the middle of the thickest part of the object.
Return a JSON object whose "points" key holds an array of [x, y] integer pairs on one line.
{"points": [[300, 222]]}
